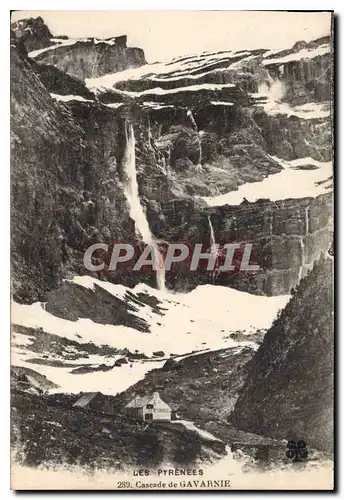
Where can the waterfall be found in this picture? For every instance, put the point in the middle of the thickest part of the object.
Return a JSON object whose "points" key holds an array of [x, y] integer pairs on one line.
{"points": [[149, 134], [273, 89], [200, 151], [137, 212], [191, 116], [213, 246], [302, 71], [193, 121], [234, 222], [302, 244], [200, 133], [271, 225], [307, 220]]}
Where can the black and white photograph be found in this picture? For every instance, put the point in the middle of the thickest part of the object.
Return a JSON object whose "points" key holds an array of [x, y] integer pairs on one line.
{"points": [[172, 250]]}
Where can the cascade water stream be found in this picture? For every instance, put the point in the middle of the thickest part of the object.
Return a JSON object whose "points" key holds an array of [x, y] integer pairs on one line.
{"points": [[213, 246], [137, 212]]}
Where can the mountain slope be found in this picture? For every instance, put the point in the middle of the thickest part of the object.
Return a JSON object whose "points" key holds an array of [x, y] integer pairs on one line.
{"points": [[49, 432], [289, 389]]}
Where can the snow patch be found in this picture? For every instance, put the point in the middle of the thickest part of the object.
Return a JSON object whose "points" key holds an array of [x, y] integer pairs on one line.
{"points": [[114, 105], [199, 326], [221, 103], [68, 98], [177, 69], [309, 111], [21, 340], [108, 382], [190, 88], [290, 182], [301, 55], [154, 105], [59, 42]]}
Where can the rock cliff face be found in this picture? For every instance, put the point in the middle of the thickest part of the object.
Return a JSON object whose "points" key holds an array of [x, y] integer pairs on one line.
{"points": [[288, 393], [32, 33], [86, 58], [287, 237], [204, 126], [306, 79], [63, 185]]}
